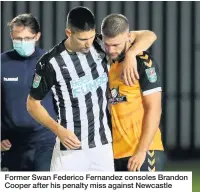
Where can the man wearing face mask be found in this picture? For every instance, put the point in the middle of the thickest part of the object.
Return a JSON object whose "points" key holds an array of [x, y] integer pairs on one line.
{"points": [[25, 144]]}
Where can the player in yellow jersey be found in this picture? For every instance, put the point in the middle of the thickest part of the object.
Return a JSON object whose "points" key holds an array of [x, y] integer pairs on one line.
{"points": [[135, 110]]}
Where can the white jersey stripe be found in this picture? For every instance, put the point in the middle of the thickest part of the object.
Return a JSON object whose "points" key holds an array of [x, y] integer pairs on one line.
{"points": [[100, 70], [65, 93], [87, 70], [81, 100]]}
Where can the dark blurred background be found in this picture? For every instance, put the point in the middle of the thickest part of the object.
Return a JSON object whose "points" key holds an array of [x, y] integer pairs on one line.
{"points": [[177, 51]]}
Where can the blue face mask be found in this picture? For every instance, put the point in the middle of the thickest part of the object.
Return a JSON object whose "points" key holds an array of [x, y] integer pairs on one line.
{"points": [[24, 48]]}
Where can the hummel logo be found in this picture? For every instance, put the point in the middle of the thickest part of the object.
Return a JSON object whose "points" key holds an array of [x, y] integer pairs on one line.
{"points": [[10, 78]]}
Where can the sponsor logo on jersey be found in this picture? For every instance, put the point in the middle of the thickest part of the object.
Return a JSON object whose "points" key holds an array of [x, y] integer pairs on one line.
{"points": [[87, 84], [115, 97]]}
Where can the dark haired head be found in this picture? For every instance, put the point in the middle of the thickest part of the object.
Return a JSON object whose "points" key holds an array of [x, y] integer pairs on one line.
{"points": [[81, 19]]}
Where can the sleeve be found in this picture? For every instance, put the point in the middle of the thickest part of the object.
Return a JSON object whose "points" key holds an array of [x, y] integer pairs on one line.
{"points": [[150, 80], [44, 78]]}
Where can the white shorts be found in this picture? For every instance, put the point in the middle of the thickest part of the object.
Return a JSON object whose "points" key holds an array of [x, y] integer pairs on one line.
{"points": [[99, 158]]}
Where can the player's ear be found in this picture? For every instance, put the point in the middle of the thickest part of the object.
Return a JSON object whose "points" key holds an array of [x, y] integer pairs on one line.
{"points": [[38, 35], [68, 32]]}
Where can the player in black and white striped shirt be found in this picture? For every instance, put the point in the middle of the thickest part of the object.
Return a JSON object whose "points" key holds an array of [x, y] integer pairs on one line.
{"points": [[76, 71]]}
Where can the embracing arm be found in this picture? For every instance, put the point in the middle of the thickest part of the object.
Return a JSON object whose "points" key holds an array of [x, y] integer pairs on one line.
{"points": [[141, 41]]}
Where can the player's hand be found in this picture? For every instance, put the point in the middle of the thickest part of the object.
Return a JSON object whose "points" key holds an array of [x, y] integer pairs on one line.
{"points": [[129, 69], [5, 145], [136, 161], [68, 138]]}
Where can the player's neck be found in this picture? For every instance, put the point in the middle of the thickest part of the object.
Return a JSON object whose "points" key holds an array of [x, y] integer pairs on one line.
{"points": [[68, 46]]}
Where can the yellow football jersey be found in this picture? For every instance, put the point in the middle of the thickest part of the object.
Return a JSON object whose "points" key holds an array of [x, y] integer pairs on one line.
{"points": [[127, 108]]}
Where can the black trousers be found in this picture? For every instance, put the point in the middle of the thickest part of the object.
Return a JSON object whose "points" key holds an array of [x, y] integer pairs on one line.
{"points": [[154, 161], [30, 157]]}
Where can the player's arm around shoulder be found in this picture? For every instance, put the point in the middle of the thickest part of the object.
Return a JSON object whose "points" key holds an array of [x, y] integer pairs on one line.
{"points": [[141, 41]]}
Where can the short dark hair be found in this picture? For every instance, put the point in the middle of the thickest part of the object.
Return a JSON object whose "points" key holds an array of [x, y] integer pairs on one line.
{"points": [[114, 24], [26, 20], [81, 19]]}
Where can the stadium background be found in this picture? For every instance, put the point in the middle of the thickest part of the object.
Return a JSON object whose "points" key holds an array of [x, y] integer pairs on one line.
{"points": [[177, 51]]}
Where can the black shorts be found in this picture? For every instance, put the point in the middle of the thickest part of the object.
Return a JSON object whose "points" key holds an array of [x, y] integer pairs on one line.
{"points": [[154, 161]]}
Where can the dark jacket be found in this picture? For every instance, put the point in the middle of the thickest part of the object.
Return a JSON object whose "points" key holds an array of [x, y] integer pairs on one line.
{"points": [[16, 80]]}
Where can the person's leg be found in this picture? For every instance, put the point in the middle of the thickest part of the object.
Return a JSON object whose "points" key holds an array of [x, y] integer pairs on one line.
{"points": [[154, 161], [101, 158], [121, 164], [69, 160], [18, 158], [10, 160], [43, 155]]}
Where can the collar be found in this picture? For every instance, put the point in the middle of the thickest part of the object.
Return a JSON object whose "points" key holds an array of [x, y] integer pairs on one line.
{"points": [[62, 48]]}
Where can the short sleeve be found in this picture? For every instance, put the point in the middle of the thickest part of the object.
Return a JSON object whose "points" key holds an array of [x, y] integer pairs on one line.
{"points": [[44, 78], [150, 80]]}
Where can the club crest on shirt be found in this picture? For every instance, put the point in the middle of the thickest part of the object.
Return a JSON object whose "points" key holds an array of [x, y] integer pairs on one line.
{"points": [[151, 74], [115, 97], [36, 81]]}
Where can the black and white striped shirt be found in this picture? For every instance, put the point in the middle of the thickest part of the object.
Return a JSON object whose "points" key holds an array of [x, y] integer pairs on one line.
{"points": [[79, 83]]}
